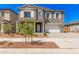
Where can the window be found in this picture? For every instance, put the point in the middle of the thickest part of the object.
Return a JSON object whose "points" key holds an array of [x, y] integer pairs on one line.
{"points": [[47, 15], [57, 15], [27, 14], [2, 14], [39, 12]]}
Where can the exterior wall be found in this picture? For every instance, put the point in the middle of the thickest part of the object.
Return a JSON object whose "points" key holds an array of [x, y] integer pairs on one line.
{"points": [[13, 16], [13, 19], [1, 27], [40, 17], [53, 20], [74, 28], [51, 23], [21, 14], [6, 15], [9, 17]]}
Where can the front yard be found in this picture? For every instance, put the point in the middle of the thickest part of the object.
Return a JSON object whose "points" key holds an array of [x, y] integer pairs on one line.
{"points": [[28, 45], [20, 43]]}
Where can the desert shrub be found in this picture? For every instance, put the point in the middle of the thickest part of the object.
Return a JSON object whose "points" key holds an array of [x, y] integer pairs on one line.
{"points": [[45, 34]]}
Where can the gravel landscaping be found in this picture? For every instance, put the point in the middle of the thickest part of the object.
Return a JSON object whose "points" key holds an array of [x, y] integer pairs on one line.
{"points": [[28, 45], [22, 36]]}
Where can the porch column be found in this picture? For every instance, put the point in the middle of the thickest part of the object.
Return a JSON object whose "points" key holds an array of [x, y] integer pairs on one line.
{"points": [[2, 27], [43, 27], [34, 26], [16, 26]]}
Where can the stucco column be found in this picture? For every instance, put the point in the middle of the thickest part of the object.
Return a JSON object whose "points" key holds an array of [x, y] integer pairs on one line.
{"points": [[2, 27], [43, 27], [16, 26], [34, 26]]}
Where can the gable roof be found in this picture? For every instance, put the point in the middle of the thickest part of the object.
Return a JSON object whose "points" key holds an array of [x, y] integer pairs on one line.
{"points": [[37, 7], [32, 6], [73, 23], [10, 10]]}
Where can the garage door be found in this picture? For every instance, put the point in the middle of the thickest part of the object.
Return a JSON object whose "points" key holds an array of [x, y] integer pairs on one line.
{"points": [[54, 30]]}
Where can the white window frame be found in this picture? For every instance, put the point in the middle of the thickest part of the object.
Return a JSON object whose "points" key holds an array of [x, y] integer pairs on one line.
{"points": [[59, 15]]}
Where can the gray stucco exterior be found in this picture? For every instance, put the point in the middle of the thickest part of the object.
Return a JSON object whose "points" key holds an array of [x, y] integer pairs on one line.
{"points": [[50, 24], [7, 16]]}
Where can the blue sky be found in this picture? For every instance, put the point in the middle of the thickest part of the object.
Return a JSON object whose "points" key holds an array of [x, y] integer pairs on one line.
{"points": [[71, 11]]}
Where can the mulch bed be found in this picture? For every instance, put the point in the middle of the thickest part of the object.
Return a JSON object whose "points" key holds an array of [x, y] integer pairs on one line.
{"points": [[28, 45]]}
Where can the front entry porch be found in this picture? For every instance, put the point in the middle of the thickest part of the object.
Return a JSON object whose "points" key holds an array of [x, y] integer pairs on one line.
{"points": [[39, 27]]}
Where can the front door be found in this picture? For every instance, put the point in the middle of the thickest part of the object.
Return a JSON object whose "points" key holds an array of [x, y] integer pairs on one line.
{"points": [[38, 27]]}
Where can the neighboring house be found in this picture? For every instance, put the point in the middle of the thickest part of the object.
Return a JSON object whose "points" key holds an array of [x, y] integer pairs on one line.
{"points": [[73, 26], [7, 16], [46, 20]]}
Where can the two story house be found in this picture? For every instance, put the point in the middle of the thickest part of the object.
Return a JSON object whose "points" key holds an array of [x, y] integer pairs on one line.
{"points": [[7, 16], [46, 20]]}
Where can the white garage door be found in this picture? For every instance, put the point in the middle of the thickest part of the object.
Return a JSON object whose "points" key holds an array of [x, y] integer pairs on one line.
{"points": [[54, 30]]}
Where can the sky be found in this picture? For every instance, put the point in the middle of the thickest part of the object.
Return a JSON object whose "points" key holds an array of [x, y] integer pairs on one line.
{"points": [[71, 11]]}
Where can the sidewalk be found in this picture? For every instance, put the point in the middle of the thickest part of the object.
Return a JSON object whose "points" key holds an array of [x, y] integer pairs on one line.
{"points": [[38, 51]]}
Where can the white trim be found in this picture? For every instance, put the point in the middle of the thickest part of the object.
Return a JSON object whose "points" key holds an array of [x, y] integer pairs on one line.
{"points": [[32, 13], [54, 30], [21, 13], [55, 15]]}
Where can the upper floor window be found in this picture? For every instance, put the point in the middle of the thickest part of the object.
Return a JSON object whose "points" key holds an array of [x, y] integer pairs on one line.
{"points": [[27, 14], [2, 14], [57, 15], [47, 15], [39, 12]]}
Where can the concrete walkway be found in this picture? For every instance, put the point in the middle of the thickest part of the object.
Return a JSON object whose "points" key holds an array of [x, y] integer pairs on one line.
{"points": [[37, 51]]}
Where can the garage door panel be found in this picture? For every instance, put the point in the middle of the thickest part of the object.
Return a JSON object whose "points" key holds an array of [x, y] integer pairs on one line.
{"points": [[52, 28]]}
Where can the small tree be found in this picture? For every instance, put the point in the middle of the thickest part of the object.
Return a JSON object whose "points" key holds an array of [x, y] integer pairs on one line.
{"points": [[31, 30], [25, 30], [19, 27], [28, 29]]}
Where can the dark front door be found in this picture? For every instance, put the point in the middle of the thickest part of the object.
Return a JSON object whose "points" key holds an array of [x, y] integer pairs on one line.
{"points": [[38, 27]]}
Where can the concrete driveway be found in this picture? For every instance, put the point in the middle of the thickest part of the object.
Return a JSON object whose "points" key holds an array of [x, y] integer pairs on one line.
{"points": [[63, 35], [65, 40]]}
